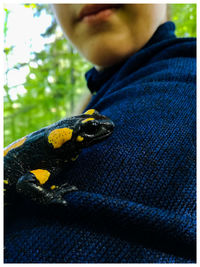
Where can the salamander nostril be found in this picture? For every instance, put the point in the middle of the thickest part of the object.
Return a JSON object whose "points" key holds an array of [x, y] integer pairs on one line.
{"points": [[109, 125]]}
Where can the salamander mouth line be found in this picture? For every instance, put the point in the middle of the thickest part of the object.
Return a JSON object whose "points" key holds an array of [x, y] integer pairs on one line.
{"points": [[101, 137]]}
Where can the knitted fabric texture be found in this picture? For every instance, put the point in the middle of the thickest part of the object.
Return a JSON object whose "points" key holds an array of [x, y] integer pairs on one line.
{"points": [[136, 199]]}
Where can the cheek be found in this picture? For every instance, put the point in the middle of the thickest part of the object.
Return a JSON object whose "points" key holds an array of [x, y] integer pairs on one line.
{"points": [[146, 17], [64, 14]]}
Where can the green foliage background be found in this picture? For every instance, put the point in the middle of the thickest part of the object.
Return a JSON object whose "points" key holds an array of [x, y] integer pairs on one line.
{"points": [[55, 83]]}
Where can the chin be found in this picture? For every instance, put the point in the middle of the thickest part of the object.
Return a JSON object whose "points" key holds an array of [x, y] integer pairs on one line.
{"points": [[103, 59], [106, 62], [108, 53]]}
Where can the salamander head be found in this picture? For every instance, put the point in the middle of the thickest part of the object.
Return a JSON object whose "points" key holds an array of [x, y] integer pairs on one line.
{"points": [[92, 128], [70, 135]]}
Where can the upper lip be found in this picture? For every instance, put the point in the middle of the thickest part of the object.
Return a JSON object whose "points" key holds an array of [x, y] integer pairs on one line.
{"points": [[95, 8]]}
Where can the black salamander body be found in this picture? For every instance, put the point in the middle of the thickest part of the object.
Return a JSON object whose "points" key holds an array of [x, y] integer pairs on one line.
{"points": [[32, 162]]}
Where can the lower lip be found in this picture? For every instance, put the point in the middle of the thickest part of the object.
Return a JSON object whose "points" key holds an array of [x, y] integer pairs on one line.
{"points": [[102, 15]]}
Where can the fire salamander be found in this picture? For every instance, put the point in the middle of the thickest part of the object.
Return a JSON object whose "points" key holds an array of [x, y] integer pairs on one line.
{"points": [[32, 163]]}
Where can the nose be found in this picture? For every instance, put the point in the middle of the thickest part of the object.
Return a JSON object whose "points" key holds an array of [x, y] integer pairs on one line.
{"points": [[109, 125]]}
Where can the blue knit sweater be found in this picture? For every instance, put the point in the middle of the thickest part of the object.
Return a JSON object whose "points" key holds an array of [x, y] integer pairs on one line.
{"points": [[136, 198]]}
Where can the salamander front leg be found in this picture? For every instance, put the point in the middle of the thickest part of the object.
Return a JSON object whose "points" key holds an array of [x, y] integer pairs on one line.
{"points": [[30, 186]]}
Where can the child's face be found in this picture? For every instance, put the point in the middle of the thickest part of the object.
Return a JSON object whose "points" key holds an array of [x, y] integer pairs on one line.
{"points": [[107, 33]]}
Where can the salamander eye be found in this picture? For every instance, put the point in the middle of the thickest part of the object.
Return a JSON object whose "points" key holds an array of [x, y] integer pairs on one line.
{"points": [[91, 127]]}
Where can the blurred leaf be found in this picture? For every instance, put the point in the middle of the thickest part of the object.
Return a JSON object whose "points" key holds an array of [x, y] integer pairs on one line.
{"points": [[6, 22], [30, 5], [184, 17], [7, 50]]}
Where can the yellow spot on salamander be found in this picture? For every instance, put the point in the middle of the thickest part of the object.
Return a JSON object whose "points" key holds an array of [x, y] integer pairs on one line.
{"points": [[79, 138], [89, 119], [41, 175], [14, 145], [53, 187], [5, 181], [90, 111], [75, 158], [59, 136]]}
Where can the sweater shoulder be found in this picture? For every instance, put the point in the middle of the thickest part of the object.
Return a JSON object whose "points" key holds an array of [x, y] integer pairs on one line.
{"points": [[182, 47]]}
